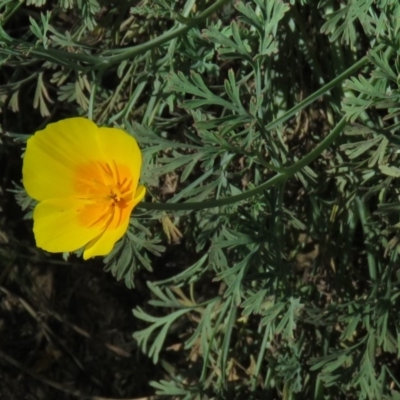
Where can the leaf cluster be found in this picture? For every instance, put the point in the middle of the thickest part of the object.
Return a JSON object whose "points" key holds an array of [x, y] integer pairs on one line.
{"points": [[292, 292]]}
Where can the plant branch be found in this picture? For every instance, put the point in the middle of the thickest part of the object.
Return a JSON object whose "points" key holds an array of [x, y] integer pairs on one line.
{"points": [[278, 178]]}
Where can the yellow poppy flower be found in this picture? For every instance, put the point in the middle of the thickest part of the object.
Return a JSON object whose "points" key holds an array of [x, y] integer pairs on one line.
{"points": [[85, 179]]}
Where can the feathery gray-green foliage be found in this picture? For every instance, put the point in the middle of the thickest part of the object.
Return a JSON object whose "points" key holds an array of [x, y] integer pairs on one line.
{"points": [[279, 121]]}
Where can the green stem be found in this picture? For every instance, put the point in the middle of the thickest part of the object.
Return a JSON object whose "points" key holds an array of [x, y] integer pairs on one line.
{"points": [[281, 176], [93, 92], [278, 178], [167, 36], [310, 99], [103, 61], [364, 218], [55, 56], [7, 15]]}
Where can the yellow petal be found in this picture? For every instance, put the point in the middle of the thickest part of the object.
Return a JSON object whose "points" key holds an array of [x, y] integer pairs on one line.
{"points": [[53, 155], [85, 179], [59, 225], [119, 147], [104, 243], [139, 195]]}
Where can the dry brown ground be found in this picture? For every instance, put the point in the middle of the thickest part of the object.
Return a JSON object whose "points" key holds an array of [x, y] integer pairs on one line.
{"points": [[65, 327]]}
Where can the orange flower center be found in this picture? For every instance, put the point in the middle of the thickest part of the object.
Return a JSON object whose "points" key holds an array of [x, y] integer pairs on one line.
{"points": [[108, 189]]}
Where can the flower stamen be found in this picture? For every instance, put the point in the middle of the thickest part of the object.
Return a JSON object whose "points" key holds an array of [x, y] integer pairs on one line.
{"points": [[109, 189]]}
